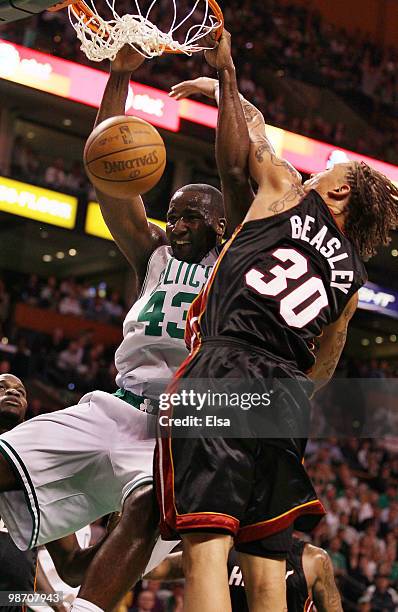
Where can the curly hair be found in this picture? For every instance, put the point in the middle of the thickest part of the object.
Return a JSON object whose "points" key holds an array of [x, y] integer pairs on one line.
{"points": [[372, 210]]}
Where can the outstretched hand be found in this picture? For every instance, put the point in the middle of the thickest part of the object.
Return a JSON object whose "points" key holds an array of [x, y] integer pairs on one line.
{"points": [[201, 85], [127, 60], [219, 56]]}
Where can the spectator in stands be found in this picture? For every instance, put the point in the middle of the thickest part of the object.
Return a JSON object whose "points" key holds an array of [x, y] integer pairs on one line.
{"points": [[337, 557], [145, 602], [55, 175], [49, 295], [96, 309], [70, 304], [381, 596], [153, 586], [70, 359], [113, 308], [176, 602], [75, 179]]}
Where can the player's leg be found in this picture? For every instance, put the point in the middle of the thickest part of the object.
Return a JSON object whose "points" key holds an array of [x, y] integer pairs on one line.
{"points": [[205, 558], [8, 480], [265, 583], [123, 557]]}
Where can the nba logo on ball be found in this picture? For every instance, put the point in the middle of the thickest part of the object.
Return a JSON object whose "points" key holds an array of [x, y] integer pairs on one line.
{"points": [[126, 134], [124, 157]]}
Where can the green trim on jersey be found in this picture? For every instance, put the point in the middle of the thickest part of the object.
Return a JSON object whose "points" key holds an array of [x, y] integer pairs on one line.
{"points": [[137, 401]]}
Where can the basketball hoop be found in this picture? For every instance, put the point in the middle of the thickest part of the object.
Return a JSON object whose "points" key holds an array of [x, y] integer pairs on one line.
{"points": [[102, 39]]}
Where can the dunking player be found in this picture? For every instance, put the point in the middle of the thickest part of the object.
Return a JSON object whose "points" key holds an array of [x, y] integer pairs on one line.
{"points": [[288, 276], [86, 461], [19, 571], [309, 579]]}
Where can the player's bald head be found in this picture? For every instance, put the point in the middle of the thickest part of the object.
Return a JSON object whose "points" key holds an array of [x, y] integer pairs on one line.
{"points": [[12, 379], [195, 221], [206, 198]]}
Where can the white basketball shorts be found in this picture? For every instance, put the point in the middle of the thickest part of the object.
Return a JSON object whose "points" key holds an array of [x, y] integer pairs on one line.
{"points": [[75, 466]]}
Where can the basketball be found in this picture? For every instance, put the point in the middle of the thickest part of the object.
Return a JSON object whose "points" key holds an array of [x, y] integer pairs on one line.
{"points": [[124, 157]]}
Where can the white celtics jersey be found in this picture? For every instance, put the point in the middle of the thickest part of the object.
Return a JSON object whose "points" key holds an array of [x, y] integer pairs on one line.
{"points": [[153, 332]]}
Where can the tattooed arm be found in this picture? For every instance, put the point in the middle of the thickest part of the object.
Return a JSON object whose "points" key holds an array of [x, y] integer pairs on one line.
{"points": [[279, 183], [331, 346], [324, 590]]}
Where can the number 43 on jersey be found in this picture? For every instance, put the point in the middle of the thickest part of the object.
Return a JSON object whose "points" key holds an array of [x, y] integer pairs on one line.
{"points": [[154, 314]]}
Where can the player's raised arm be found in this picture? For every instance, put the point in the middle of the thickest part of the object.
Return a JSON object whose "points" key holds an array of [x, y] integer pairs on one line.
{"points": [[331, 346], [232, 137], [126, 218], [210, 88]]}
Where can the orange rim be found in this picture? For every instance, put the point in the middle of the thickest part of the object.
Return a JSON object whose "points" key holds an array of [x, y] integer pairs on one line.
{"points": [[83, 12]]}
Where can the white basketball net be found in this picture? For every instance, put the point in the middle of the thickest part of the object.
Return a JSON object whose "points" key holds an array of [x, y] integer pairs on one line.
{"points": [[138, 31]]}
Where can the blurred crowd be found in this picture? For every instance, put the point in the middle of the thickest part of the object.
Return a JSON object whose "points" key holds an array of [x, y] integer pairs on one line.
{"points": [[27, 164], [76, 364], [357, 481], [72, 297], [290, 42]]}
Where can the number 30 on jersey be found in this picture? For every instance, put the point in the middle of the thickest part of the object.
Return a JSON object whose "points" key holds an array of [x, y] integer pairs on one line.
{"points": [[290, 304]]}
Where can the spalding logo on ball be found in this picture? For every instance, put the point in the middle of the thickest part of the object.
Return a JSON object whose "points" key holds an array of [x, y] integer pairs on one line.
{"points": [[124, 157]]}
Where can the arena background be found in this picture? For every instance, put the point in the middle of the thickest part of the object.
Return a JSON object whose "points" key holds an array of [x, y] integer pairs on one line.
{"points": [[326, 75]]}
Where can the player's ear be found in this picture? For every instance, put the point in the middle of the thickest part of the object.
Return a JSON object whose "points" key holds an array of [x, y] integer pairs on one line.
{"points": [[221, 227], [340, 193]]}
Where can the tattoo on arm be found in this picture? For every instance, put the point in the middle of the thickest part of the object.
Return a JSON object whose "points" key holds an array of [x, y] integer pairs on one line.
{"points": [[330, 364], [341, 337], [290, 196], [326, 595], [252, 114], [261, 149], [264, 151]]}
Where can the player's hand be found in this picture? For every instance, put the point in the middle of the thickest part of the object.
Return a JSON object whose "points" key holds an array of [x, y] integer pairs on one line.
{"points": [[220, 56], [127, 60], [201, 85]]}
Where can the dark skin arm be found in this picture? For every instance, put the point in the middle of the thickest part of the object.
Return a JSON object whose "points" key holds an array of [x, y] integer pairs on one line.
{"points": [[126, 218], [232, 137], [71, 561]]}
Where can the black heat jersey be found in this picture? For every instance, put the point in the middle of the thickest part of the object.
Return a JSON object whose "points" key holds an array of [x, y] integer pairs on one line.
{"points": [[17, 568], [298, 599], [279, 282]]}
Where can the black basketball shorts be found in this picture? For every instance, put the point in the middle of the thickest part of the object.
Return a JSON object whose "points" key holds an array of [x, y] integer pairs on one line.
{"points": [[250, 488]]}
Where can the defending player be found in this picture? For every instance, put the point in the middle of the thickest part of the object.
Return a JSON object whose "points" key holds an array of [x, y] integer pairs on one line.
{"points": [[289, 275], [309, 579], [86, 461], [18, 568]]}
